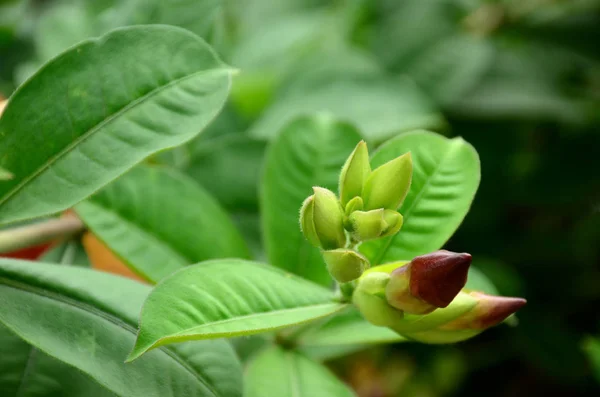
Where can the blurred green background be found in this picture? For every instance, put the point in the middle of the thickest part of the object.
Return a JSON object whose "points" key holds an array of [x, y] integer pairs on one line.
{"points": [[518, 79]]}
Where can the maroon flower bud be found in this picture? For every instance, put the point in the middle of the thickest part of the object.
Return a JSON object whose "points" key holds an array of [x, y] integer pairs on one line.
{"points": [[438, 277], [490, 310]]}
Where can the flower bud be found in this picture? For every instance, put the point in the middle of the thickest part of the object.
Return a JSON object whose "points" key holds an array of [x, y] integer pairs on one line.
{"points": [[368, 298], [387, 186], [490, 311], [354, 173], [321, 220], [436, 336], [345, 265], [428, 282], [369, 225]]}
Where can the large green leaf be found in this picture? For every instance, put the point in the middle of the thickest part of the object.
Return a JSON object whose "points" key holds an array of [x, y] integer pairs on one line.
{"points": [[285, 373], [446, 175], [158, 221], [228, 297], [87, 320], [75, 126], [309, 152], [380, 107], [28, 372]]}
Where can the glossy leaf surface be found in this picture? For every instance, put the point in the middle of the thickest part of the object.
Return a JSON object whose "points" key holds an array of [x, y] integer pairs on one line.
{"points": [[228, 297], [157, 88], [57, 297]]}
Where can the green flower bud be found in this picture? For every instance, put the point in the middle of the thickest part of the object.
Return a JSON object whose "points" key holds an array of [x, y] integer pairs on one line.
{"points": [[387, 186], [370, 300], [321, 220], [345, 265], [369, 225], [428, 282], [354, 173], [411, 323]]}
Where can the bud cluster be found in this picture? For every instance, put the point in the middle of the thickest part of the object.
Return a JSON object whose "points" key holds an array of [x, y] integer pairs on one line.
{"points": [[365, 210], [424, 299]]}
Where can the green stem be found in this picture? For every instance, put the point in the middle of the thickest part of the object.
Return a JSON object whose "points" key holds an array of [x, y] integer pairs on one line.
{"points": [[39, 233]]}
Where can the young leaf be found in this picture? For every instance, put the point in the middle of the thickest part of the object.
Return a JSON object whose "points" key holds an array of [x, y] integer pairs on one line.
{"points": [[445, 178], [75, 126], [285, 373], [168, 220], [228, 297], [28, 372], [71, 317], [309, 152]]}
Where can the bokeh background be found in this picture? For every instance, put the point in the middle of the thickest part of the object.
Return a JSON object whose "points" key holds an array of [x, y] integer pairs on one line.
{"points": [[518, 79]]}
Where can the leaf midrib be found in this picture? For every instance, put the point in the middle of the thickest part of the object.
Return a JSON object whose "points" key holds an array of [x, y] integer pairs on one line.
{"points": [[106, 121], [259, 315], [112, 318], [406, 214]]}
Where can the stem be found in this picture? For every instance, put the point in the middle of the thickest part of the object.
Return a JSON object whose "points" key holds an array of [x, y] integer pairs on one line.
{"points": [[39, 233]]}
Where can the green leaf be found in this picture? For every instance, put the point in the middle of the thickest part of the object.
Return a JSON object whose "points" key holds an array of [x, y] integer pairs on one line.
{"points": [[5, 175], [380, 107], [228, 297], [158, 87], [446, 175], [309, 152], [28, 372], [348, 328], [158, 221], [285, 373], [229, 168], [591, 347], [71, 317]]}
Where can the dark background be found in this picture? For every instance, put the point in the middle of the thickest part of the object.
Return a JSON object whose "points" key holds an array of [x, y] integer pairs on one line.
{"points": [[520, 80]]}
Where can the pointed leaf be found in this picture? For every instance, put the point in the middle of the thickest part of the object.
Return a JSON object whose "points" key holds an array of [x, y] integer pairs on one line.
{"points": [[228, 297], [158, 87], [309, 152], [28, 372], [169, 222], [71, 317], [446, 175], [285, 373]]}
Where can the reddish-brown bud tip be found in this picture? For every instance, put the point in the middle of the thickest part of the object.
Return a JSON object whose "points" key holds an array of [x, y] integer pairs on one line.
{"points": [[492, 310], [438, 277]]}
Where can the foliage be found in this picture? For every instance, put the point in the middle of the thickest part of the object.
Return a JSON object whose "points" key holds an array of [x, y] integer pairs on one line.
{"points": [[129, 145]]}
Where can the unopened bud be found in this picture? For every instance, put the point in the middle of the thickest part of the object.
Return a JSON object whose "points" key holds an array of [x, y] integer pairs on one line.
{"points": [[428, 282], [438, 277], [437, 336], [354, 173], [369, 225], [345, 265], [387, 186], [490, 311], [321, 220]]}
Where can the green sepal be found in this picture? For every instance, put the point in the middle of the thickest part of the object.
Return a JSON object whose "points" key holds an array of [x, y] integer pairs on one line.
{"points": [[307, 224], [328, 219]]}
